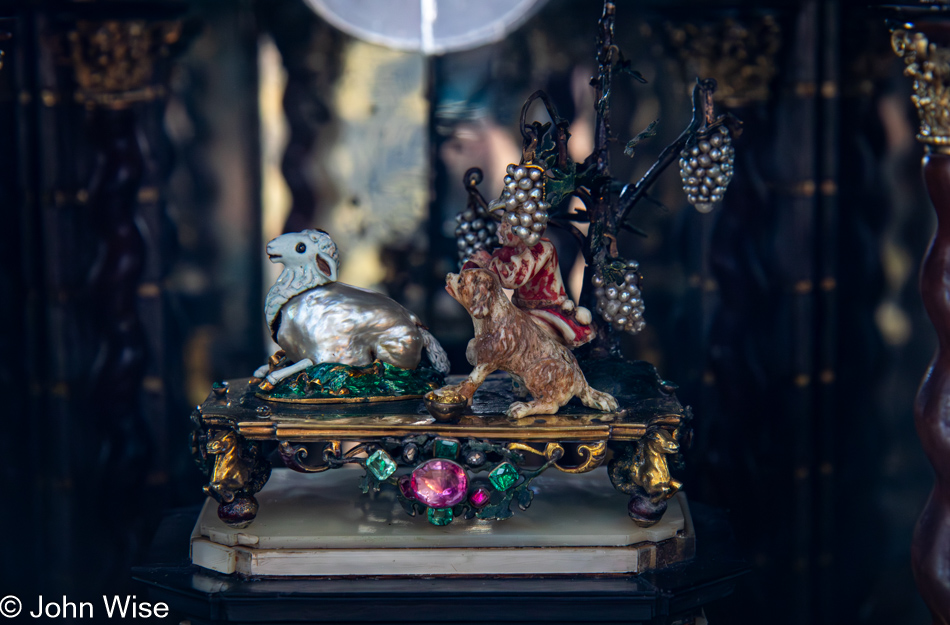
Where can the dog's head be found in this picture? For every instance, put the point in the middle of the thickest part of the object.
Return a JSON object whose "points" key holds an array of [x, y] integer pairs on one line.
{"points": [[475, 289]]}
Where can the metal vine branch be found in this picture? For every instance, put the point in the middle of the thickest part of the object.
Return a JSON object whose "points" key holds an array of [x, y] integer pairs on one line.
{"points": [[705, 154]]}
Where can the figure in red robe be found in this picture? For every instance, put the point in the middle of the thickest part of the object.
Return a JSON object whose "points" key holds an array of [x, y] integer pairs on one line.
{"points": [[533, 272]]}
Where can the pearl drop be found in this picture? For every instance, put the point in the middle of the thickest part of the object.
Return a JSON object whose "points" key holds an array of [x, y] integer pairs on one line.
{"points": [[621, 321], [519, 173], [715, 140], [704, 160], [521, 196], [511, 169], [525, 183], [599, 293], [624, 295], [704, 146], [597, 280], [478, 224], [537, 227], [512, 218], [512, 203], [525, 219], [534, 174], [522, 232], [715, 155], [535, 194], [626, 309], [532, 239], [611, 292], [508, 179], [529, 207]]}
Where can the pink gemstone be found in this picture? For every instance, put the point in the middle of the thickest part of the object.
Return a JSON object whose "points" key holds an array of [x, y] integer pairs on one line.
{"points": [[405, 487], [439, 483], [479, 497]]}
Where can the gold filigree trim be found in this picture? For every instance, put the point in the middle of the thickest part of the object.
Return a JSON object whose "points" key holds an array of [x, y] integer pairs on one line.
{"points": [[929, 66]]}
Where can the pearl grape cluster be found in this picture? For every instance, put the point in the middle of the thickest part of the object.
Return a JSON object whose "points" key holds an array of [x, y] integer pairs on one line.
{"points": [[522, 203], [475, 230], [706, 166], [621, 305]]}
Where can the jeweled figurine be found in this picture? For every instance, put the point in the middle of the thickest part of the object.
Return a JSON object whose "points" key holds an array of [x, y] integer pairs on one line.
{"points": [[316, 319], [528, 263], [509, 339]]}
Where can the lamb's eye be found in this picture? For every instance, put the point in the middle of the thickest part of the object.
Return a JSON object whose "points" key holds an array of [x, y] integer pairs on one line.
{"points": [[301, 248]]}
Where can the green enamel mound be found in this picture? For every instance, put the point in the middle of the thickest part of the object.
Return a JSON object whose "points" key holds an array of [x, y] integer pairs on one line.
{"points": [[332, 380]]}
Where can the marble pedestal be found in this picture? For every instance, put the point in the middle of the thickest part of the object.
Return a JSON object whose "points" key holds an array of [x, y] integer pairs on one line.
{"points": [[322, 526]]}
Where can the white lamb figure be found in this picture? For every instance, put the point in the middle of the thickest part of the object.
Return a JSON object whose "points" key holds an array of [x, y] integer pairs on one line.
{"points": [[315, 319]]}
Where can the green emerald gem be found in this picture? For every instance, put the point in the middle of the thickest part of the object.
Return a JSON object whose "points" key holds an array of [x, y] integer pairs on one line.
{"points": [[504, 476], [440, 516], [445, 448], [381, 465]]}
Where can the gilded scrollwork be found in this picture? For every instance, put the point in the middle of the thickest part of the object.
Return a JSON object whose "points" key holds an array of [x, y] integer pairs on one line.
{"points": [[114, 61], [740, 56], [929, 65], [592, 455]]}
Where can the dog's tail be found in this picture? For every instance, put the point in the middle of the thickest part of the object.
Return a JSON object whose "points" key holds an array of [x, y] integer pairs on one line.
{"points": [[597, 400], [437, 355]]}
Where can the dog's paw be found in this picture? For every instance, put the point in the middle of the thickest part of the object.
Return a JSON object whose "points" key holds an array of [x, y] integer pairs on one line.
{"points": [[602, 401], [518, 410]]}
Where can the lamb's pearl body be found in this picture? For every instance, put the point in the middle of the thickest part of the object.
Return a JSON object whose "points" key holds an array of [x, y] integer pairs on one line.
{"points": [[342, 323]]}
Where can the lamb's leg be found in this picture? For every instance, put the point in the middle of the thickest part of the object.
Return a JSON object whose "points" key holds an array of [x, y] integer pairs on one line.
{"points": [[276, 376]]}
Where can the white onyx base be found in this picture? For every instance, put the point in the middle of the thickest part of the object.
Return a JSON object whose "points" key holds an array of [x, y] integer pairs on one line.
{"points": [[321, 525]]}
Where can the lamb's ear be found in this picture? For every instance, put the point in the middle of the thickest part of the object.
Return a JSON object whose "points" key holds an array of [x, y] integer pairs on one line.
{"points": [[482, 297], [327, 266]]}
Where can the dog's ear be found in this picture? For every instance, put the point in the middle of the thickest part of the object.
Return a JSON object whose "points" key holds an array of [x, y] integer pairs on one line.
{"points": [[482, 295]]}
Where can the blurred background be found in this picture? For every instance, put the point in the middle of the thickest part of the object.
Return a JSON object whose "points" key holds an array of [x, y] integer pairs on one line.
{"points": [[148, 150]]}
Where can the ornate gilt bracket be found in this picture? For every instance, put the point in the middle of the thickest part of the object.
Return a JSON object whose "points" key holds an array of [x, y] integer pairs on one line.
{"points": [[114, 61], [739, 55], [929, 65]]}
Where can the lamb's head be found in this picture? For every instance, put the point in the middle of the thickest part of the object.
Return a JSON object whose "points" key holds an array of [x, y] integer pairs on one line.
{"points": [[309, 249], [310, 259]]}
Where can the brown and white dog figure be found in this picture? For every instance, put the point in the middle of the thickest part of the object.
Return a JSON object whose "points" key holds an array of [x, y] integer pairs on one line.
{"points": [[507, 338]]}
